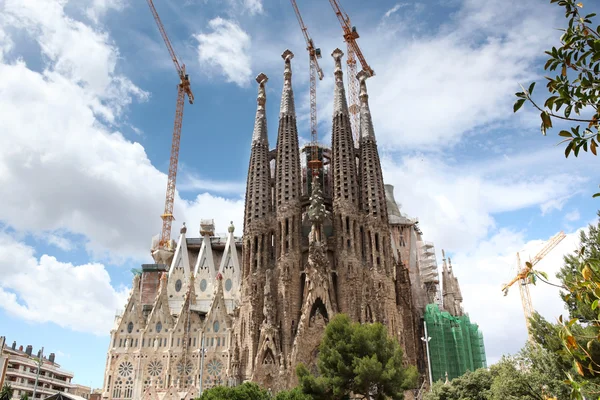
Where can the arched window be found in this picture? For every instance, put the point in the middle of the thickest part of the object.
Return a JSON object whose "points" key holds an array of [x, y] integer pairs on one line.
{"points": [[130, 327], [117, 388]]}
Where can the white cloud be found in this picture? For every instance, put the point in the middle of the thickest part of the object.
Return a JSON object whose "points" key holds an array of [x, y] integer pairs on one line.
{"points": [[455, 204], [66, 170], [394, 9], [98, 8], [481, 274], [78, 297], [572, 216], [253, 6], [433, 88], [226, 49]]}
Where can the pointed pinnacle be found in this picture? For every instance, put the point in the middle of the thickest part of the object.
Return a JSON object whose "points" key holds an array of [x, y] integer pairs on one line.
{"points": [[262, 97], [287, 72], [362, 77], [337, 56]]}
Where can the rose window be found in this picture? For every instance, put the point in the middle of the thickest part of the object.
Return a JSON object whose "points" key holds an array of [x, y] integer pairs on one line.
{"points": [[214, 367], [186, 368], [126, 368], [155, 368]]}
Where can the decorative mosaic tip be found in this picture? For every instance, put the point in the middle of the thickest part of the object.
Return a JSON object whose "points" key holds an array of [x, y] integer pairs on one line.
{"points": [[262, 96], [337, 57], [287, 72], [183, 229], [362, 78], [231, 228]]}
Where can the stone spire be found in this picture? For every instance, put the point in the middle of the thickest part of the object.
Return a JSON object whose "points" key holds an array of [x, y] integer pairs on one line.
{"points": [[287, 97], [373, 201], [343, 158], [288, 190], [452, 297], [260, 123], [340, 104], [287, 176], [258, 187]]}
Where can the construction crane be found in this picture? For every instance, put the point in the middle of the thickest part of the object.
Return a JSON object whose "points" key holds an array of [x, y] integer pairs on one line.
{"points": [[183, 89], [354, 52], [315, 71], [524, 277]]}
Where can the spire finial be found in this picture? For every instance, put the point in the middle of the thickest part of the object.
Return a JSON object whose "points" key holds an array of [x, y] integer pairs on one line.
{"points": [[287, 72], [366, 122], [262, 97], [260, 123], [231, 228], [362, 77], [183, 229], [340, 105], [337, 57], [287, 97], [443, 254]]}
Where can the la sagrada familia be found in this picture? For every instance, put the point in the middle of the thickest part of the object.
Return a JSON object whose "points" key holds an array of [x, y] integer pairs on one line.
{"points": [[224, 310]]}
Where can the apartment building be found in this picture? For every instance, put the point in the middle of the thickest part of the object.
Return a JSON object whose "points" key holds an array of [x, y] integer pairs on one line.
{"points": [[20, 368]]}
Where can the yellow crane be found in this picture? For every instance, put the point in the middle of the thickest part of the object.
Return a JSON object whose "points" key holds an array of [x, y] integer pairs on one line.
{"points": [[183, 89], [315, 71], [524, 277], [354, 52]]}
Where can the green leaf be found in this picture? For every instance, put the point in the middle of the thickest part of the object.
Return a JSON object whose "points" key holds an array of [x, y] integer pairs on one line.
{"points": [[568, 149], [530, 90], [546, 119], [568, 110], [518, 104], [595, 304], [565, 134]]}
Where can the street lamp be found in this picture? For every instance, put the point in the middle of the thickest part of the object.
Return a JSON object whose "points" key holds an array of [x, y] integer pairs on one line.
{"points": [[39, 362], [202, 353], [426, 339]]}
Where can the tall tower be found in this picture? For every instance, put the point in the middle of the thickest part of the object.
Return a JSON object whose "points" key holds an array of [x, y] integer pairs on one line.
{"points": [[345, 197], [258, 252], [372, 202], [288, 182]]}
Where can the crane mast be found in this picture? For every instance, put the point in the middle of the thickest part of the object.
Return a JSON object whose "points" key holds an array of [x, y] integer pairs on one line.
{"points": [[315, 71], [523, 277], [354, 53], [183, 89]]}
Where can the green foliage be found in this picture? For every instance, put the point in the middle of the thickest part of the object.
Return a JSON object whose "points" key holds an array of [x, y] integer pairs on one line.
{"points": [[359, 359], [576, 340], [572, 270], [250, 391], [531, 374], [24, 396], [245, 391], [6, 392], [576, 86], [294, 394]]}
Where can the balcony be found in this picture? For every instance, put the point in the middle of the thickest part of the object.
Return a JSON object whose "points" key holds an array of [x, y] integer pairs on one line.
{"points": [[11, 371]]}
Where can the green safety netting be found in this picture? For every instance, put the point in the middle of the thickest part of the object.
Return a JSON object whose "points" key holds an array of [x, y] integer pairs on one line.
{"points": [[456, 344]]}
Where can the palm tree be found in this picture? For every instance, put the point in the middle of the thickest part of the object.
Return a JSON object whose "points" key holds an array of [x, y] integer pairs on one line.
{"points": [[6, 392], [24, 396]]}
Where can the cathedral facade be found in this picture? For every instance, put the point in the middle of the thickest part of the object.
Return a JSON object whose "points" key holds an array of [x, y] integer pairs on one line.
{"points": [[224, 310]]}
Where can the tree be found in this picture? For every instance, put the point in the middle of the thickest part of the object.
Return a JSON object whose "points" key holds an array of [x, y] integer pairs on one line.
{"points": [[532, 374], [245, 391], [24, 396], [576, 339], [577, 86], [250, 391], [6, 392], [358, 359]]}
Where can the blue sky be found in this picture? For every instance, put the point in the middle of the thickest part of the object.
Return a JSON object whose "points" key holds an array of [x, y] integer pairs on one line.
{"points": [[87, 100]]}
